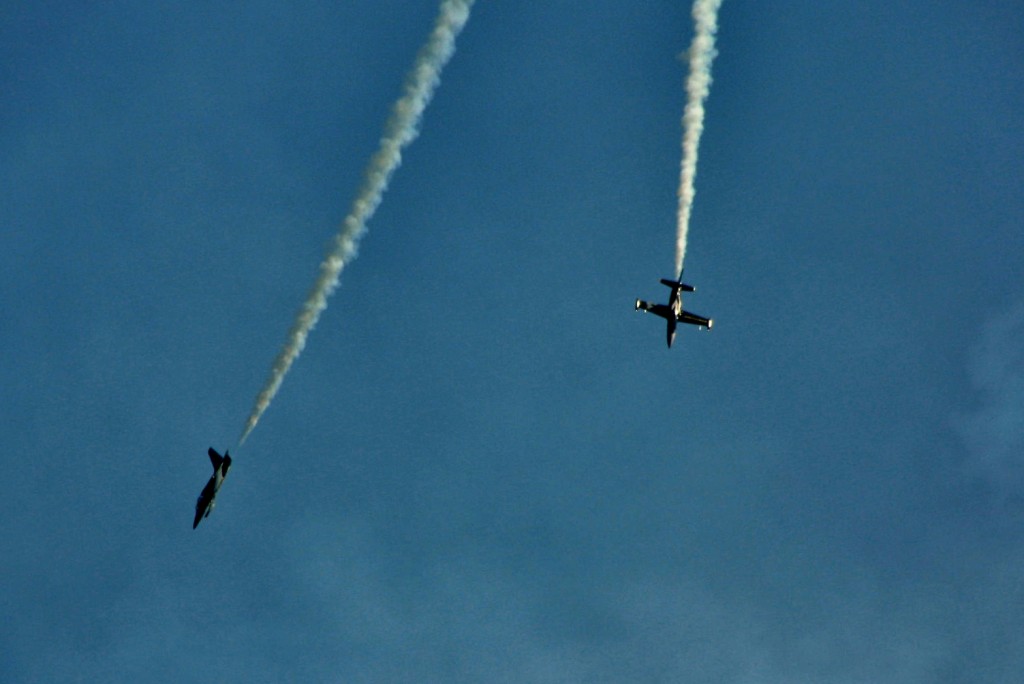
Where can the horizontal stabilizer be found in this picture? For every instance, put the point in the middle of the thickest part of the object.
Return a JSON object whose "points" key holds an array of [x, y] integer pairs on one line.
{"points": [[678, 285]]}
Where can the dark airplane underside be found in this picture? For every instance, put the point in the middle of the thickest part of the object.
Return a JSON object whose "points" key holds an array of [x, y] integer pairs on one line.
{"points": [[668, 313], [207, 499]]}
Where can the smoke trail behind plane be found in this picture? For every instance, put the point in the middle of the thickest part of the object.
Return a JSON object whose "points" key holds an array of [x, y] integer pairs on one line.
{"points": [[698, 84], [401, 129]]}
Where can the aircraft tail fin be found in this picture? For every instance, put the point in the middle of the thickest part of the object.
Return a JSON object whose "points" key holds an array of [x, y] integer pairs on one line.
{"points": [[215, 458]]}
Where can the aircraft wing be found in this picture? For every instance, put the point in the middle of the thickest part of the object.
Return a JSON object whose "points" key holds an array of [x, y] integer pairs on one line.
{"points": [[694, 319], [656, 309], [204, 501]]}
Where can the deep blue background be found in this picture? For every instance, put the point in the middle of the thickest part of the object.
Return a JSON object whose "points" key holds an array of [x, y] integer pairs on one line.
{"points": [[486, 466]]}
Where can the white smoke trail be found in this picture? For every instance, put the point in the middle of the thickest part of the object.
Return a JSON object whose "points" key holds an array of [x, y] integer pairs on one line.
{"points": [[401, 129], [698, 83]]}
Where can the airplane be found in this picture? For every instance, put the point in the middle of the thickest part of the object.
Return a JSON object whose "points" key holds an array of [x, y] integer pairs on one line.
{"points": [[673, 311], [204, 505]]}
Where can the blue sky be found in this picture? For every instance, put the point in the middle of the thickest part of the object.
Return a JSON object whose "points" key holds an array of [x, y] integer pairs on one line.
{"points": [[486, 467]]}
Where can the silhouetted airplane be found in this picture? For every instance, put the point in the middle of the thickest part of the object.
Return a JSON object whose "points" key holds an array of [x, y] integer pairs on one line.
{"points": [[673, 311], [204, 505]]}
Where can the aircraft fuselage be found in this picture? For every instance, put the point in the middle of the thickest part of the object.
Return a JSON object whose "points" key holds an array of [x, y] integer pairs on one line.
{"points": [[208, 497]]}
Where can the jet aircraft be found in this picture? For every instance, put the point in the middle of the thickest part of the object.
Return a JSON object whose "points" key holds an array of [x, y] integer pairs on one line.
{"points": [[673, 311], [204, 505]]}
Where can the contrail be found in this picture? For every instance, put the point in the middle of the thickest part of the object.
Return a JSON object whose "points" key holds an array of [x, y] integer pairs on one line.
{"points": [[401, 129], [702, 52]]}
